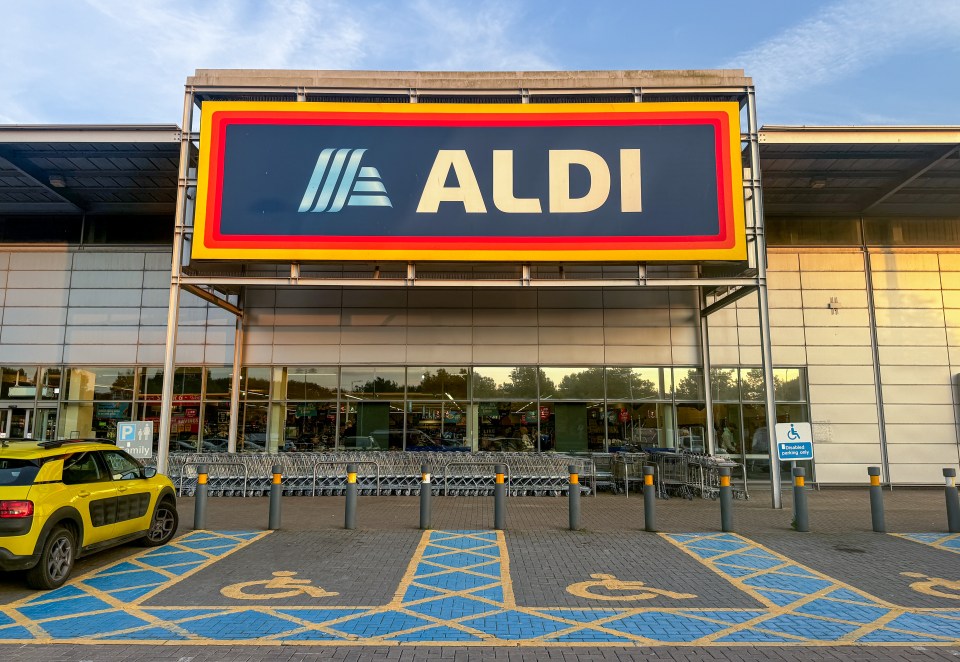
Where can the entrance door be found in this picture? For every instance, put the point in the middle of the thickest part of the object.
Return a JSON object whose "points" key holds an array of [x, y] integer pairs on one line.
{"points": [[15, 423], [45, 424]]}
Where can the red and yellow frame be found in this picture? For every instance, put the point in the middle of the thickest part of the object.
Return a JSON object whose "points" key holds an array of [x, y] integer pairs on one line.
{"points": [[728, 244]]}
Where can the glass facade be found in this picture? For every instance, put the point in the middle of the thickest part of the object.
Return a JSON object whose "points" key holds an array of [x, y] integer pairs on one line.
{"points": [[493, 408]]}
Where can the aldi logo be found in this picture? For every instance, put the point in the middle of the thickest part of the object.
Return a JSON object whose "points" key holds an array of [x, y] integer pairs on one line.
{"points": [[557, 182], [357, 186]]}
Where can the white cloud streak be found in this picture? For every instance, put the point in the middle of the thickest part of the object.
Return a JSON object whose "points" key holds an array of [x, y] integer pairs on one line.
{"points": [[127, 60], [846, 38]]}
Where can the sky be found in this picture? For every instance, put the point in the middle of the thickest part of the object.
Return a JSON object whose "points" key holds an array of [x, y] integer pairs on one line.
{"points": [[832, 62]]}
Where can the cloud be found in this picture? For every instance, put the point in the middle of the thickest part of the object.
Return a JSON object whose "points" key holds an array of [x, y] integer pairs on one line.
{"points": [[846, 38], [116, 60], [127, 61], [482, 36]]}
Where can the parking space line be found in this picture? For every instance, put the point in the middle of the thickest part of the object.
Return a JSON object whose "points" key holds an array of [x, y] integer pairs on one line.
{"points": [[949, 542]]}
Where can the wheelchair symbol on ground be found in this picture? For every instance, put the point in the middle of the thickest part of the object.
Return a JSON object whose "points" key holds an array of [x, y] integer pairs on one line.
{"points": [[928, 585], [632, 590], [281, 586]]}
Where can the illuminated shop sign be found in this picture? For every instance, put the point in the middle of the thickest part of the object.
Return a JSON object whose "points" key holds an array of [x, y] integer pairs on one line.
{"points": [[531, 182]]}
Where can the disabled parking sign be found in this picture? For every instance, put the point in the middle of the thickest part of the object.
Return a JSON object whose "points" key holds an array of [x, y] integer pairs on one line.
{"points": [[794, 442]]}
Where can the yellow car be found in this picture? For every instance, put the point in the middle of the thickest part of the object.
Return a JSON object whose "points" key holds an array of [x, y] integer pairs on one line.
{"points": [[60, 500]]}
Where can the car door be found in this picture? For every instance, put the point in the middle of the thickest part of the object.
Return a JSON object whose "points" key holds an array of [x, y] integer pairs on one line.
{"points": [[134, 492], [93, 494]]}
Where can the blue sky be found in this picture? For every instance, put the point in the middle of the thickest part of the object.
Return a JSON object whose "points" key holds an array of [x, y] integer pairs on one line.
{"points": [[813, 62]]}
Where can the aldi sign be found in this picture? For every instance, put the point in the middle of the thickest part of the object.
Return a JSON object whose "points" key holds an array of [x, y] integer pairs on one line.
{"points": [[587, 182]]}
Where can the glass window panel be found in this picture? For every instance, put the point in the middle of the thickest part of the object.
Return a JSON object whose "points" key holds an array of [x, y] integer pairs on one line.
{"points": [[151, 383], [100, 383], [216, 426], [437, 383], [688, 383], [253, 437], [368, 425], [511, 426], [187, 383], [572, 383], [632, 427], [729, 433], [437, 425], [311, 383], [309, 426], [691, 427], [572, 427], [93, 420], [911, 232], [19, 383], [372, 383], [634, 383], [751, 384], [788, 384], [499, 382], [218, 383], [255, 383], [50, 384], [724, 384]]}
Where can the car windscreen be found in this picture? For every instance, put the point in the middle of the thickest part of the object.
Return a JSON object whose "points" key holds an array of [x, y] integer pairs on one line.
{"points": [[17, 472]]}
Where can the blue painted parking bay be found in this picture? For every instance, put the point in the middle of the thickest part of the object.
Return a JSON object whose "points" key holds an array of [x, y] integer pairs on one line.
{"points": [[458, 588]]}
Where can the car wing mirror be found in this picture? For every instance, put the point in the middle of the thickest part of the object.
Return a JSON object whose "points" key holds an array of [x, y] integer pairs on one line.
{"points": [[149, 472]]}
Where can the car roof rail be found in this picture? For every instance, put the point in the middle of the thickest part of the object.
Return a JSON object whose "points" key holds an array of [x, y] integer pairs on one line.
{"points": [[57, 443]]}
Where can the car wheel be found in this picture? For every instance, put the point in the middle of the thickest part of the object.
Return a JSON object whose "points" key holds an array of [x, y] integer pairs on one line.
{"points": [[56, 560], [163, 526]]}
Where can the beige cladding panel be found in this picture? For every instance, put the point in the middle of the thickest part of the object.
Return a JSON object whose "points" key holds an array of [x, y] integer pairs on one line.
{"points": [[572, 335], [845, 299], [846, 453], [844, 393], [783, 280], [840, 356], [920, 355], [926, 414], [951, 298], [914, 374], [919, 394], [844, 413], [917, 474], [374, 317], [915, 336], [425, 335], [906, 280], [903, 262], [777, 261], [836, 336], [571, 354], [827, 262], [908, 299], [833, 280], [840, 374], [846, 474], [921, 451], [949, 261], [644, 355], [918, 317], [434, 354], [903, 436], [787, 355]]}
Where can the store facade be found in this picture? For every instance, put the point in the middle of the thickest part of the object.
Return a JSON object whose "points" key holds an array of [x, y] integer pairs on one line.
{"points": [[513, 354]]}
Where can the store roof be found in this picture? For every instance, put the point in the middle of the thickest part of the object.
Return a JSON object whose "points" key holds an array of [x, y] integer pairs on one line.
{"points": [[854, 171], [71, 170]]}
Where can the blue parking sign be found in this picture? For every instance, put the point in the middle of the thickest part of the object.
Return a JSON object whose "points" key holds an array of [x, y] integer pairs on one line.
{"points": [[126, 431]]}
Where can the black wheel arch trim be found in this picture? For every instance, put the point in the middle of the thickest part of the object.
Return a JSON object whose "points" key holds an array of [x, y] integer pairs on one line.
{"points": [[65, 513]]}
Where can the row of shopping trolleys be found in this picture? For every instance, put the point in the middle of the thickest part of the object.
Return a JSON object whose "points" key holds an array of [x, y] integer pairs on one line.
{"points": [[383, 474]]}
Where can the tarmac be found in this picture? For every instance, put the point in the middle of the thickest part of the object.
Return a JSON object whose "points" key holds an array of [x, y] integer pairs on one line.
{"points": [[536, 590]]}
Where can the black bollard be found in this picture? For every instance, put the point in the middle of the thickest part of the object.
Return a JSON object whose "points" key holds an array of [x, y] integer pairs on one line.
{"points": [[499, 499], [876, 500], [276, 491], [649, 500], [726, 501], [200, 503], [425, 489], [350, 507], [573, 489], [953, 500], [801, 518]]}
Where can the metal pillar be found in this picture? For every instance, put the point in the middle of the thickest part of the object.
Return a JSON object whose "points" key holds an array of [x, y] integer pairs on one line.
{"points": [[766, 349], [173, 308], [875, 357], [709, 433], [235, 384]]}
